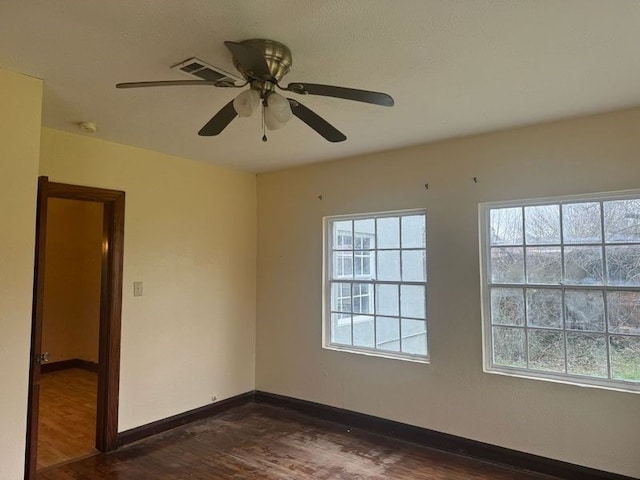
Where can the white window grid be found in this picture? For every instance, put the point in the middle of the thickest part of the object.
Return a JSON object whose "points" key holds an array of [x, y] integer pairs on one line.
{"points": [[346, 246], [487, 285], [354, 264]]}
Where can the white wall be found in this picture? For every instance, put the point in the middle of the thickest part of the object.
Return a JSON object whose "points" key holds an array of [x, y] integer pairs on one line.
{"points": [[190, 237], [591, 427], [20, 108]]}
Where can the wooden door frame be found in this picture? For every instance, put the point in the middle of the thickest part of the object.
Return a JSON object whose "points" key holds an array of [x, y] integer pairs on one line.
{"points": [[110, 312]]}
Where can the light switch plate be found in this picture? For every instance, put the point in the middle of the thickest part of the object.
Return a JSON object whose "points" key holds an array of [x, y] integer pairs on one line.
{"points": [[137, 289]]}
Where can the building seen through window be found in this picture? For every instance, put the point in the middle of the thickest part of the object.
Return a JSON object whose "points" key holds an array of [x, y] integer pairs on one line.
{"points": [[376, 272]]}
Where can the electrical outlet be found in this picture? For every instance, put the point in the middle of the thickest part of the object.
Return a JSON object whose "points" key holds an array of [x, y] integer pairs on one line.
{"points": [[137, 289]]}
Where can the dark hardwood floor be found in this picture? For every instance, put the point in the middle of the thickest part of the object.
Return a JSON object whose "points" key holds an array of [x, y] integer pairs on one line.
{"points": [[258, 441]]}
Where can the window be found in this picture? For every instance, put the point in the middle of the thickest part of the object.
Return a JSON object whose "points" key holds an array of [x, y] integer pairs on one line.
{"points": [[375, 284], [561, 289]]}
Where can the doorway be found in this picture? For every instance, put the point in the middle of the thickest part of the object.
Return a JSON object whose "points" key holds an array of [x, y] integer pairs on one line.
{"points": [[105, 345]]}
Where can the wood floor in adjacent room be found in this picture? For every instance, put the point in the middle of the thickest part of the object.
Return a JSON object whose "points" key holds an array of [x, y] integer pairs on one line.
{"points": [[67, 416], [258, 441]]}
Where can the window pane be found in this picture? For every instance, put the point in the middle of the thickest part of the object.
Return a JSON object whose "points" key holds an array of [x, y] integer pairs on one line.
{"points": [[544, 265], [625, 358], [363, 332], [542, 224], [362, 298], [546, 350], [341, 297], [583, 265], [506, 226], [581, 223], [544, 308], [388, 232], [341, 328], [412, 327], [414, 336], [507, 306], [584, 310], [342, 264], [412, 301], [624, 312], [622, 221], [413, 231], [509, 347], [587, 354], [364, 264], [388, 333], [364, 230], [623, 265], [389, 265], [507, 265], [387, 300], [342, 235], [413, 266]]}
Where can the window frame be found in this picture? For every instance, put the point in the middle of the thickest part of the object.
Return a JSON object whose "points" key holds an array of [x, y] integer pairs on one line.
{"points": [[484, 212], [327, 273]]}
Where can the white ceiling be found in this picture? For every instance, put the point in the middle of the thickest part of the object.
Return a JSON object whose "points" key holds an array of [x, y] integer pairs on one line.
{"points": [[454, 67]]}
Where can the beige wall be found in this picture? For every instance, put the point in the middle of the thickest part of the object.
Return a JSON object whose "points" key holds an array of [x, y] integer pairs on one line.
{"points": [[20, 107], [190, 237], [592, 427], [73, 268]]}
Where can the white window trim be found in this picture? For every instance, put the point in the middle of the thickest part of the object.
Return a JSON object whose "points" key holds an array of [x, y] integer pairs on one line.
{"points": [[327, 269], [485, 294]]}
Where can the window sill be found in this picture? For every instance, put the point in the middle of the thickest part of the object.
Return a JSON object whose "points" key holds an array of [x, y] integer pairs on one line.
{"points": [[380, 354], [577, 382]]}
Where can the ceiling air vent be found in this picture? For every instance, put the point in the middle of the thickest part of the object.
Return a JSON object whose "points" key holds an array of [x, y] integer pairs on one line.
{"points": [[199, 69]]}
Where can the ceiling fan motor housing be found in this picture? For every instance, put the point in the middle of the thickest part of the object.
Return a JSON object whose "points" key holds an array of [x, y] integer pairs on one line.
{"points": [[277, 56]]}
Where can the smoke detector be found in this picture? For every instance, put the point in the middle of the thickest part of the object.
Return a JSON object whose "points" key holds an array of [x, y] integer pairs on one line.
{"points": [[195, 67]]}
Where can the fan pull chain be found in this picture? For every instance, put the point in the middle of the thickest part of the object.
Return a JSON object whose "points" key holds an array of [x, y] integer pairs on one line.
{"points": [[264, 133]]}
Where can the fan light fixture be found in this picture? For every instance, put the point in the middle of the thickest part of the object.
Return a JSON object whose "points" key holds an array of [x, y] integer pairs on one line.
{"points": [[246, 102], [276, 109]]}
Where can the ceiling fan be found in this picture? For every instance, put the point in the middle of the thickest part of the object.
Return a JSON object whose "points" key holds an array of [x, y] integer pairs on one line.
{"points": [[263, 63]]}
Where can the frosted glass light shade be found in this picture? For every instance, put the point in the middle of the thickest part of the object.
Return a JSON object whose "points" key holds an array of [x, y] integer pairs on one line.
{"points": [[246, 102], [270, 121], [279, 107], [277, 112]]}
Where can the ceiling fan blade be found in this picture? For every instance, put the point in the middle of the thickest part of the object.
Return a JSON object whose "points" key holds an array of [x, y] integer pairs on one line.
{"points": [[251, 59], [316, 122], [219, 121], [174, 83], [366, 96]]}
